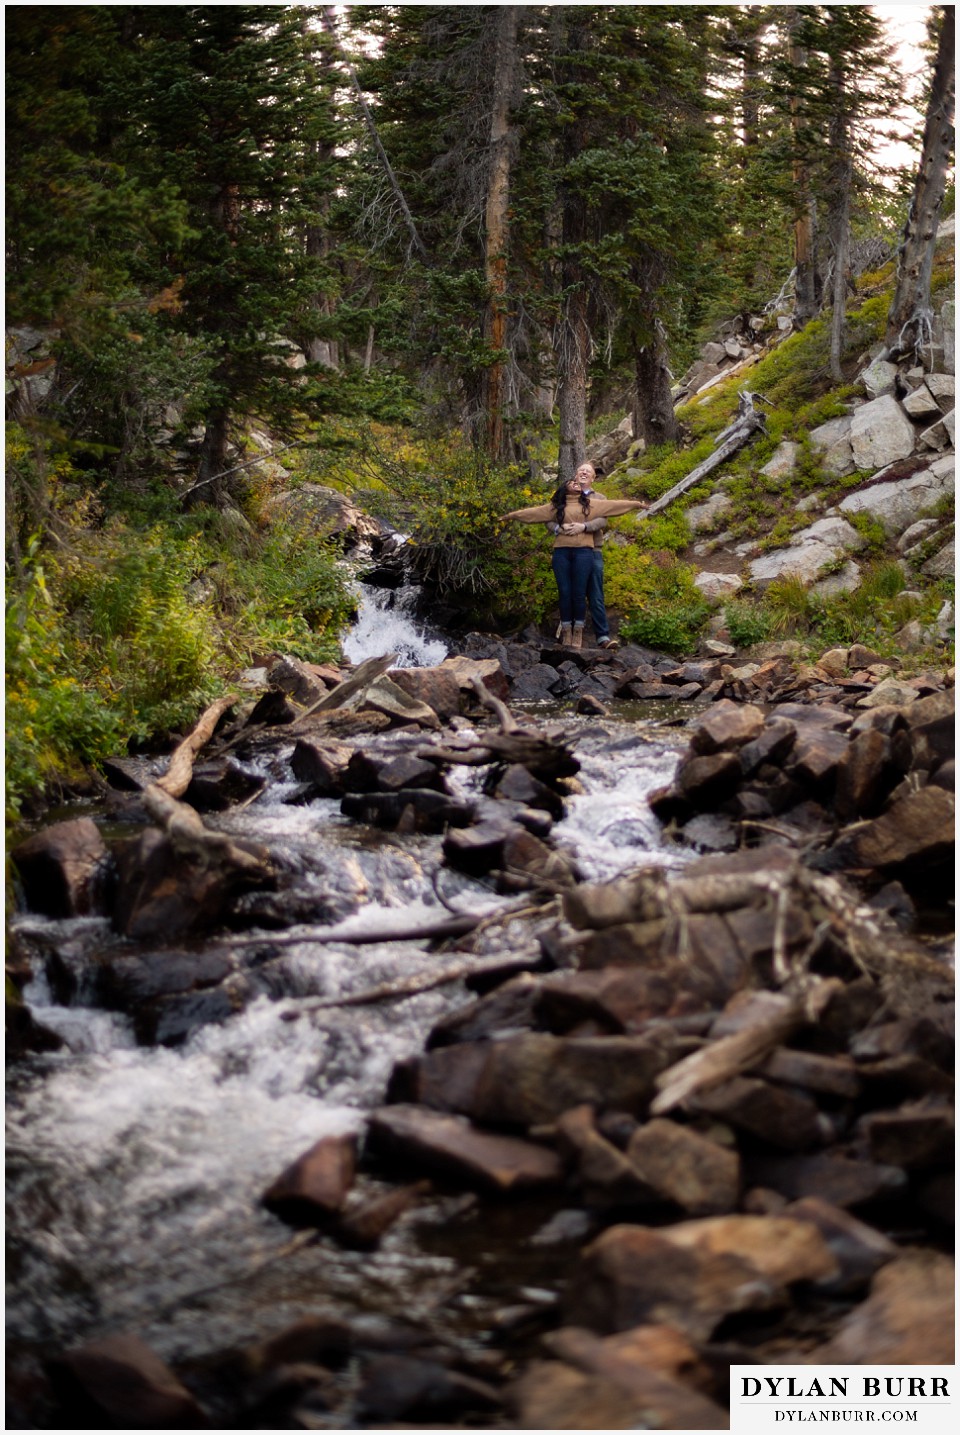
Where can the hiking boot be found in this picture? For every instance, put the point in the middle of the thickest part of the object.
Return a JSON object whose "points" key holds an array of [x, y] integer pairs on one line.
{"points": [[566, 635], [577, 639], [611, 644]]}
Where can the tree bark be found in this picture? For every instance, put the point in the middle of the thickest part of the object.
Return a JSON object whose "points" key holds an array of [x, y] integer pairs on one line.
{"points": [[806, 304], [654, 420], [573, 345], [497, 227], [909, 321], [840, 218]]}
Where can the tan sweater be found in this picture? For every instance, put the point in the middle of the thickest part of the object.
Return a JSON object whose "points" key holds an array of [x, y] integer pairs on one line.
{"points": [[599, 508]]}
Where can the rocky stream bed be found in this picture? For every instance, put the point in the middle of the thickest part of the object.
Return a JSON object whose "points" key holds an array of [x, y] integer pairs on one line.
{"points": [[514, 1041]]}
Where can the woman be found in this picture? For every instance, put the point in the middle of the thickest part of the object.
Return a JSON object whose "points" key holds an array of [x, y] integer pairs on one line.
{"points": [[573, 508]]}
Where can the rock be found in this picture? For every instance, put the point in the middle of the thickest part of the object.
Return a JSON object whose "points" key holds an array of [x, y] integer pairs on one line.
{"points": [[603, 1172], [363, 1225], [841, 1180], [128, 1383], [815, 758], [217, 786], [402, 1387], [630, 1381], [776, 1115], [866, 774], [832, 441], [932, 729], [591, 706], [622, 999], [773, 743], [880, 433], [900, 502], [317, 1183], [633, 1276], [780, 1249], [917, 1136], [478, 850], [518, 785], [879, 378], [715, 587], [937, 436], [453, 1147], [322, 764], [532, 1079], [943, 389], [726, 727], [487, 670], [706, 782], [783, 461], [528, 861], [535, 683], [915, 834], [846, 581], [859, 1250], [809, 552], [891, 692], [701, 517], [920, 403], [322, 511], [385, 696], [436, 688], [62, 868], [908, 1318], [948, 319], [165, 892], [943, 563], [411, 809], [292, 677], [508, 1007], [915, 533], [685, 1168]]}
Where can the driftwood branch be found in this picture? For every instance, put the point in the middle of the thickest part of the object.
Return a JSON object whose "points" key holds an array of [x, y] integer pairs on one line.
{"points": [[176, 779], [730, 441], [454, 926], [226, 472], [726, 1058], [508, 723]]}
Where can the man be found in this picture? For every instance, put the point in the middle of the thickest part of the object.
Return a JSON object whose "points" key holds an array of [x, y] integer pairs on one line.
{"points": [[586, 473]]}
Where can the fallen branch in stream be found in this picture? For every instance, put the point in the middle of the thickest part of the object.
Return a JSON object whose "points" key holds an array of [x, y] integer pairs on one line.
{"points": [[456, 926]]}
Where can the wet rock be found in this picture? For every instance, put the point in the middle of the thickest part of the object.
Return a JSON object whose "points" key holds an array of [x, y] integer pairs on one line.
{"points": [[726, 727], [487, 670], [814, 759], [908, 1318], [451, 1146], [865, 774], [398, 1387], [510, 1007], [519, 785], [860, 1250], [773, 1114], [828, 1075], [621, 1000], [292, 677], [916, 1137], [277, 1398], [316, 1184], [62, 868], [841, 1180], [128, 980], [591, 706], [128, 1383], [363, 1225], [317, 1339], [478, 850], [272, 710], [633, 1276], [771, 745], [409, 771], [527, 862], [437, 688], [168, 1021], [913, 835], [131, 774], [385, 696], [164, 892], [685, 1168], [217, 786], [321, 764], [614, 1383], [706, 782], [603, 1172], [933, 729], [411, 809], [535, 684], [531, 1079]]}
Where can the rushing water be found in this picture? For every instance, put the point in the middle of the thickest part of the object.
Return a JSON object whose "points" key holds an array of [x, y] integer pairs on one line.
{"points": [[385, 623], [136, 1171]]}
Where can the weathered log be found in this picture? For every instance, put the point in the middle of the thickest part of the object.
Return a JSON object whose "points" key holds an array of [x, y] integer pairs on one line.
{"points": [[725, 1058], [729, 442], [176, 779]]}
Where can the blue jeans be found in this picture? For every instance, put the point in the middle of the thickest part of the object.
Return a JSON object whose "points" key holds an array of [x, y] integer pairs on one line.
{"points": [[572, 568], [598, 609]]}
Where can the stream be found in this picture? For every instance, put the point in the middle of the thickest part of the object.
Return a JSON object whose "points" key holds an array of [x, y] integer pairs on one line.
{"points": [[136, 1171]]}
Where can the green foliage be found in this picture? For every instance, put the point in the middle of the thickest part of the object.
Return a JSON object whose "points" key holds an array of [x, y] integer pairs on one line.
{"points": [[747, 623], [289, 594], [450, 499], [663, 607], [872, 530]]}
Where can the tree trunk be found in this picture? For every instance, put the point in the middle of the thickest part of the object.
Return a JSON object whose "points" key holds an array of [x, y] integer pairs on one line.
{"points": [[317, 237], [213, 458], [653, 416], [805, 288], [840, 218], [573, 360], [497, 227], [910, 318]]}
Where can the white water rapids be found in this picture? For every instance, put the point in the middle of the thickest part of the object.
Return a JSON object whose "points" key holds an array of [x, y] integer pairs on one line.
{"points": [[136, 1171]]}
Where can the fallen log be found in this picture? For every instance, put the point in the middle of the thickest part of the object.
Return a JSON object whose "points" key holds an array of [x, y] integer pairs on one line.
{"points": [[733, 438], [350, 688], [176, 779]]}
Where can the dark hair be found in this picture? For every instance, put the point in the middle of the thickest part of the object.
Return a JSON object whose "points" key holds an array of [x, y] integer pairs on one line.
{"points": [[559, 501]]}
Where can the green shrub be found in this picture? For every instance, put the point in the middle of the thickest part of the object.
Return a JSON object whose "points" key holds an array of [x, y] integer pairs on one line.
{"points": [[747, 623], [664, 609]]}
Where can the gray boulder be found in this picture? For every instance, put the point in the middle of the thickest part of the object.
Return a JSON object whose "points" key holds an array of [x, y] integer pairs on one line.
{"points": [[899, 503], [810, 552], [880, 433], [832, 441]]}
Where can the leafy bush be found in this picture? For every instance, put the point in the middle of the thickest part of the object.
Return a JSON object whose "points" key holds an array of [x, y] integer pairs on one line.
{"points": [[747, 623], [288, 592], [664, 609]]}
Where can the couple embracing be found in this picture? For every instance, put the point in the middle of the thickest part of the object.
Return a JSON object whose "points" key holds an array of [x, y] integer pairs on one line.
{"points": [[577, 516]]}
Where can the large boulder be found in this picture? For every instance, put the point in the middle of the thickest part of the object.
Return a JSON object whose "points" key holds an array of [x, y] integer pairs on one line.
{"points": [[322, 512], [809, 553], [898, 503], [832, 442], [61, 868], [880, 433]]}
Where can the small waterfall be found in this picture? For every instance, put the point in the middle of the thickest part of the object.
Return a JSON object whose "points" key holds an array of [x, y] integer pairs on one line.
{"points": [[386, 624]]}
